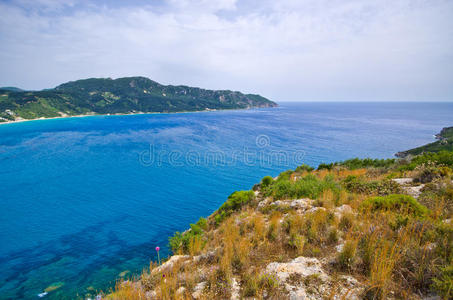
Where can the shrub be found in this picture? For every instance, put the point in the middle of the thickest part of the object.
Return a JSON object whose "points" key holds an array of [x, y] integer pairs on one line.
{"points": [[427, 173], [346, 222], [202, 223], [357, 163], [440, 158], [234, 202], [304, 168], [266, 181], [444, 283], [358, 185], [307, 186], [347, 254], [251, 286], [255, 284], [191, 240], [176, 242], [332, 237], [396, 202], [323, 166], [296, 242]]}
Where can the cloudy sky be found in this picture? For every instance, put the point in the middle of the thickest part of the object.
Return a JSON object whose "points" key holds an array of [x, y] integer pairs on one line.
{"points": [[287, 50]]}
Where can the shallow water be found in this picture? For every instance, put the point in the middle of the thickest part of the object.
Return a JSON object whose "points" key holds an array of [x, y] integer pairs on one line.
{"points": [[84, 199]]}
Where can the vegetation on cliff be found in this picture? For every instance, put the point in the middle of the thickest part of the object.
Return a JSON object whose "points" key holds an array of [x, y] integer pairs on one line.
{"points": [[445, 142], [362, 228], [122, 95]]}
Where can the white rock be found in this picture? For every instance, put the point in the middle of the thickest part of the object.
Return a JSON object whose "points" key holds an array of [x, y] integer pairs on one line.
{"points": [[151, 295], [302, 203], [180, 291], [203, 256], [348, 286], [235, 289], [315, 209], [262, 204], [281, 203], [298, 294], [339, 247], [304, 266], [344, 209], [414, 191], [403, 181], [169, 263], [198, 289]]}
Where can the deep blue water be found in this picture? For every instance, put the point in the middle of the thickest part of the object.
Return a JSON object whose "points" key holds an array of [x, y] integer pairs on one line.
{"points": [[84, 199]]}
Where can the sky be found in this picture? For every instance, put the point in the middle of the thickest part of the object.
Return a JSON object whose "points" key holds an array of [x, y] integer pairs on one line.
{"points": [[285, 50]]}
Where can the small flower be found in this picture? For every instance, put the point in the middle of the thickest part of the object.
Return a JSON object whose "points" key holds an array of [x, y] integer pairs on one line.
{"points": [[157, 248]]}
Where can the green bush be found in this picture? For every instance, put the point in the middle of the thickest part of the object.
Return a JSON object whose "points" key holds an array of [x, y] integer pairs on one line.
{"points": [[176, 242], [234, 202], [396, 202], [384, 187], [180, 241], [444, 158], [323, 166], [266, 181], [347, 255], [357, 163], [307, 186], [444, 283], [304, 168]]}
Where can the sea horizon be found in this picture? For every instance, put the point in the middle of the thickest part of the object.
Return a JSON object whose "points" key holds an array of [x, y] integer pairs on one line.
{"points": [[85, 231]]}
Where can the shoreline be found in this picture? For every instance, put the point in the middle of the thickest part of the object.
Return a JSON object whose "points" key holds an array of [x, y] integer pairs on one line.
{"points": [[127, 114]]}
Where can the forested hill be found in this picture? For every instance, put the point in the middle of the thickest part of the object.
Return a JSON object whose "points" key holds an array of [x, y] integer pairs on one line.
{"points": [[445, 142], [116, 96]]}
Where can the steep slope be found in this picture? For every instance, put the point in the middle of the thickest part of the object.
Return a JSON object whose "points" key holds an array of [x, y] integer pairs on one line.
{"points": [[359, 229], [122, 95]]}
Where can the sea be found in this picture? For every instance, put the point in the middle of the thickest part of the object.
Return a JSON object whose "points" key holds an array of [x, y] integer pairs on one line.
{"points": [[85, 201]]}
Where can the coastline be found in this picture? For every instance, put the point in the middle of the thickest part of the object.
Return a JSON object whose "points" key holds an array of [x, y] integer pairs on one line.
{"points": [[128, 114]]}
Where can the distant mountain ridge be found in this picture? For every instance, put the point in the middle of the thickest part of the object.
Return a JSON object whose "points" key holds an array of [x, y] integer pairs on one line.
{"points": [[11, 88], [119, 96]]}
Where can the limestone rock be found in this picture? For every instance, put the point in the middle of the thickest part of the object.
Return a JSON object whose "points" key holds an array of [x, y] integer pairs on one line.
{"points": [[235, 289], [304, 266], [198, 290], [403, 181], [169, 263], [304, 278]]}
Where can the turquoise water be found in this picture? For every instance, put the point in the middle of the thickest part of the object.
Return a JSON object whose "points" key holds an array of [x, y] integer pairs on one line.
{"points": [[84, 199]]}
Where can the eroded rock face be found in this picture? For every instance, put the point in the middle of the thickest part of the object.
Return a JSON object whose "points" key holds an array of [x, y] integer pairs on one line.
{"points": [[304, 278]]}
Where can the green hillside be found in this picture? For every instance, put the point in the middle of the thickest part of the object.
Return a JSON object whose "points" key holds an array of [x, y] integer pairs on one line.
{"points": [[445, 142], [122, 95]]}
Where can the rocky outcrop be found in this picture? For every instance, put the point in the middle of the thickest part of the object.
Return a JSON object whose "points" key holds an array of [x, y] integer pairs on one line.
{"points": [[408, 188], [304, 278]]}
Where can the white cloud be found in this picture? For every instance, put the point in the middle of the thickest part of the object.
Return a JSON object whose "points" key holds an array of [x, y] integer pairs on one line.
{"points": [[286, 50]]}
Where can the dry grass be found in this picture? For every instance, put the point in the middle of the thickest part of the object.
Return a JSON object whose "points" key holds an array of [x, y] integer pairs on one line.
{"points": [[389, 251]]}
